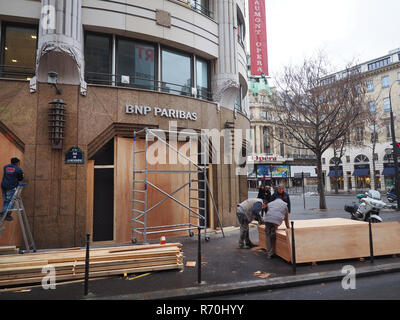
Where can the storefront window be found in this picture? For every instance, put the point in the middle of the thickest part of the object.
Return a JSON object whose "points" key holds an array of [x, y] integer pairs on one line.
{"points": [[98, 58], [176, 72], [202, 77], [18, 51], [135, 64]]}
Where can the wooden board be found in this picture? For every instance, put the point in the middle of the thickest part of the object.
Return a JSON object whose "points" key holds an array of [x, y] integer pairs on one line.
{"points": [[69, 264], [167, 213], [335, 239]]}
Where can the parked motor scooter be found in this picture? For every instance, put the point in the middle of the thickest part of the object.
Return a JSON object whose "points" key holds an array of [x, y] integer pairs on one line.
{"points": [[391, 195], [370, 204]]}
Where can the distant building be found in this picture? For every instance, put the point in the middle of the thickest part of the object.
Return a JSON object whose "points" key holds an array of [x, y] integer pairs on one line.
{"points": [[356, 166], [273, 162]]}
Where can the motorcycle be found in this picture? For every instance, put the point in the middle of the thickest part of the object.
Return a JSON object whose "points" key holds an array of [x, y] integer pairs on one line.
{"points": [[370, 204], [391, 195]]}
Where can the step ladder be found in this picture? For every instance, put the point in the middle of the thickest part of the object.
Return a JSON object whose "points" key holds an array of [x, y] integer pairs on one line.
{"points": [[16, 205]]}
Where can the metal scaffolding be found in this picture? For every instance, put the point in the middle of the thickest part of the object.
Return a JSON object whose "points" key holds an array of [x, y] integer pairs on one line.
{"points": [[197, 174]]}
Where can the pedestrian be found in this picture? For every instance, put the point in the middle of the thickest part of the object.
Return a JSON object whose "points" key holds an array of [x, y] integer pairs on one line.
{"points": [[277, 212], [261, 192], [268, 195], [280, 193], [247, 211], [12, 174]]}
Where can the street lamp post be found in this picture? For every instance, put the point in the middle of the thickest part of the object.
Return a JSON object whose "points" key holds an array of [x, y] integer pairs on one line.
{"points": [[395, 150]]}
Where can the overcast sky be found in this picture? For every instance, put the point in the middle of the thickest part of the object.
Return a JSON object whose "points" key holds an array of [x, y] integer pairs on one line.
{"points": [[344, 29]]}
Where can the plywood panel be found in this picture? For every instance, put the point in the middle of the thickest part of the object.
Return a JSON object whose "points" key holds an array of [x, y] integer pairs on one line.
{"points": [[335, 239], [168, 212], [89, 200], [12, 234], [123, 189]]}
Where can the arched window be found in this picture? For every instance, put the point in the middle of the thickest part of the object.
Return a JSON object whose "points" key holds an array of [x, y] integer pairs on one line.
{"points": [[361, 158]]}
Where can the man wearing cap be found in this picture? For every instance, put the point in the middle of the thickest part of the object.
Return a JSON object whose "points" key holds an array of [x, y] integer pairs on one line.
{"points": [[12, 174], [280, 193], [247, 211]]}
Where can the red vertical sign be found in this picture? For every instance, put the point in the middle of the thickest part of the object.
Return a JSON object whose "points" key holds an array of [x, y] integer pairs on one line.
{"points": [[258, 38]]}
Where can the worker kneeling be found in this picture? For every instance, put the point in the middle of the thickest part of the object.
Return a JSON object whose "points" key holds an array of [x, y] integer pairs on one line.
{"points": [[276, 213], [247, 211]]}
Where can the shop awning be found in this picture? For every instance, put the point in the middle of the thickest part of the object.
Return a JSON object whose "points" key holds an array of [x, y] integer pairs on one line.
{"points": [[332, 173], [388, 171], [361, 172]]}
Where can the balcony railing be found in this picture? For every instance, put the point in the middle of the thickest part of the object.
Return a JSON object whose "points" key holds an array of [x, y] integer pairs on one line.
{"points": [[301, 156], [198, 7], [116, 80], [16, 72]]}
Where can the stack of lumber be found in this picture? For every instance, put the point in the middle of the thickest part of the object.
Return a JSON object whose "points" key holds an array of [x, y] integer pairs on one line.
{"points": [[69, 264], [8, 250]]}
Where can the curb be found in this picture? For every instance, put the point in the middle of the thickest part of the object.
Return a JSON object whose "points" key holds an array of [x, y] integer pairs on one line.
{"points": [[252, 286]]}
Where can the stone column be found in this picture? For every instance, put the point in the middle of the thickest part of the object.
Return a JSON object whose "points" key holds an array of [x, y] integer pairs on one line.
{"points": [[60, 43], [226, 80]]}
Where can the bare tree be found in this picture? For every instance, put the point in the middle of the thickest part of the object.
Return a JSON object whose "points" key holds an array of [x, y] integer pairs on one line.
{"points": [[316, 107]]}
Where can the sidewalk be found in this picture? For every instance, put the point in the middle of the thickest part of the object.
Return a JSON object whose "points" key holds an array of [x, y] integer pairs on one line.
{"points": [[225, 270]]}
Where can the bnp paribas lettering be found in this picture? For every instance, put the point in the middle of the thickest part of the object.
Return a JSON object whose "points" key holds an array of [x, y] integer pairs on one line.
{"points": [[161, 112]]}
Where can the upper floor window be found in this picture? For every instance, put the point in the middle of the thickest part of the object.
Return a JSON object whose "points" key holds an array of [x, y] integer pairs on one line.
{"points": [[135, 64], [238, 102], [385, 82], [18, 50], [264, 115], [370, 85], [372, 107], [386, 104], [202, 6], [203, 79], [173, 81], [98, 48], [240, 29], [379, 64]]}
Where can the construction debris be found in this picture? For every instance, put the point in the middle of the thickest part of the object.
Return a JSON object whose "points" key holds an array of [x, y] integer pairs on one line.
{"points": [[262, 275], [69, 264]]}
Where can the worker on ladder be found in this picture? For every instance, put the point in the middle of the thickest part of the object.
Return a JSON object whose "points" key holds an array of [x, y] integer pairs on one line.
{"points": [[12, 174]]}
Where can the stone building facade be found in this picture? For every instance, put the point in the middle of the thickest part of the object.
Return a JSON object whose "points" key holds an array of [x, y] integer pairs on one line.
{"points": [[93, 60]]}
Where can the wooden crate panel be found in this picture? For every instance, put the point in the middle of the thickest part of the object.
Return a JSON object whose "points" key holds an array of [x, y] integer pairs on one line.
{"points": [[335, 239]]}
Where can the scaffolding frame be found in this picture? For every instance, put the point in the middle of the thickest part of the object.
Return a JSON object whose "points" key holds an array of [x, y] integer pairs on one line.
{"points": [[139, 217]]}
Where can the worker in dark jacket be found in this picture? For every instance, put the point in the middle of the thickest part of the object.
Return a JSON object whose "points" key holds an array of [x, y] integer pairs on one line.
{"points": [[280, 193], [247, 211], [261, 192], [12, 174]]}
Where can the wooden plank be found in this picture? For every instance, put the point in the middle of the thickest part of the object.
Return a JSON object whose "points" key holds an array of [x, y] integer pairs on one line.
{"points": [[334, 239], [91, 275]]}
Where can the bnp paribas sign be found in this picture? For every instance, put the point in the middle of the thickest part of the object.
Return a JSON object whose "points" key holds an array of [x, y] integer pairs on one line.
{"points": [[160, 112]]}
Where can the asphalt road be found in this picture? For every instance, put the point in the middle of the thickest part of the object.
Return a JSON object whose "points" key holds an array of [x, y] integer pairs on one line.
{"points": [[335, 207], [380, 287]]}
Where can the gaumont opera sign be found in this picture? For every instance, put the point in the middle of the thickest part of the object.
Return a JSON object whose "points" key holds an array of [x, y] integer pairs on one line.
{"points": [[258, 38]]}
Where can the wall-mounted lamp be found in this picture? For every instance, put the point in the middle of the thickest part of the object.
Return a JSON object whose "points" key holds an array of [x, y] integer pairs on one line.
{"points": [[56, 123], [52, 79]]}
